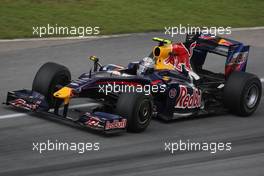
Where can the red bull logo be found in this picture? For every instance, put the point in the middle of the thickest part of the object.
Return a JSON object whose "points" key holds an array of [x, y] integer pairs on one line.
{"points": [[187, 100], [116, 124], [180, 56], [20, 103]]}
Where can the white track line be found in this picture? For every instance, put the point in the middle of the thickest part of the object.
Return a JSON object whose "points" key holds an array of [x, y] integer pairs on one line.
{"points": [[248, 28], [64, 38], [8, 116]]}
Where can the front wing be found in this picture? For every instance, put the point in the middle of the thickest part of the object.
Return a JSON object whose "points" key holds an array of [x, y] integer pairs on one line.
{"points": [[35, 102]]}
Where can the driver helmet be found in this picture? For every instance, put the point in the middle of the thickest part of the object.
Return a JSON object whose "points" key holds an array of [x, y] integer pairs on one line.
{"points": [[145, 64]]}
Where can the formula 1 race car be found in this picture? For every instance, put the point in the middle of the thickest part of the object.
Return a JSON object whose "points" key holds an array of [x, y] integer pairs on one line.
{"points": [[170, 83]]}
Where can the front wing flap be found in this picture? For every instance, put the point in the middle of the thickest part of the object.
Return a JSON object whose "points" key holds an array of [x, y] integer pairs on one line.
{"points": [[27, 100], [103, 121]]}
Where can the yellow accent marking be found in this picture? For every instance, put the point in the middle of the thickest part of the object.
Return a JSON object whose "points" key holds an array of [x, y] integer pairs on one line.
{"points": [[223, 41], [166, 41], [163, 55], [64, 93], [93, 58], [166, 78]]}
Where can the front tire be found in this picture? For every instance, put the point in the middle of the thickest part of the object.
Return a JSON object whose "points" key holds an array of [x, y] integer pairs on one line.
{"points": [[47, 79], [242, 93], [137, 108]]}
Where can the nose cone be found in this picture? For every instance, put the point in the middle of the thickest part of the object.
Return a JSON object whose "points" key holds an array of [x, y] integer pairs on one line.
{"points": [[63, 93]]}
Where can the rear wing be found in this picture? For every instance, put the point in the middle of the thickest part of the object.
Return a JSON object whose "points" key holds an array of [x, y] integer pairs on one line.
{"points": [[236, 53]]}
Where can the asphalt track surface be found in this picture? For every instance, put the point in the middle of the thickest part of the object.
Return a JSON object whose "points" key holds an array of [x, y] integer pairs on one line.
{"points": [[127, 153]]}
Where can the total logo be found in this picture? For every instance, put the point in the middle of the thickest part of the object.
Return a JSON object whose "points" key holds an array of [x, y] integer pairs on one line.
{"points": [[186, 100]]}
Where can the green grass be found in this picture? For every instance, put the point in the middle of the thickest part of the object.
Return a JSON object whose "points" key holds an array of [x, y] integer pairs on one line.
{"points": [[17, 17]]}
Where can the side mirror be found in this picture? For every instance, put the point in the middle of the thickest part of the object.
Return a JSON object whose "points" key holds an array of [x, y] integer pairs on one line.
{"points": [[94, 58], [96, 62]]}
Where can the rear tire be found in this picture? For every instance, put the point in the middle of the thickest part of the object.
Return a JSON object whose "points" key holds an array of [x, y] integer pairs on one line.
{"points": [[47, 79], [242, 93], [137, 108]]}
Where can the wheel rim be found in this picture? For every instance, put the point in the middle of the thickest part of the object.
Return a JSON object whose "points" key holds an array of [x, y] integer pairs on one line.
{"points": [[252, 96], [144, 112]]}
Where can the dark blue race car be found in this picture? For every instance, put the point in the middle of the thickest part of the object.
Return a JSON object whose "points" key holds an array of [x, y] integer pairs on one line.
{"points": [[170, 83]]}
